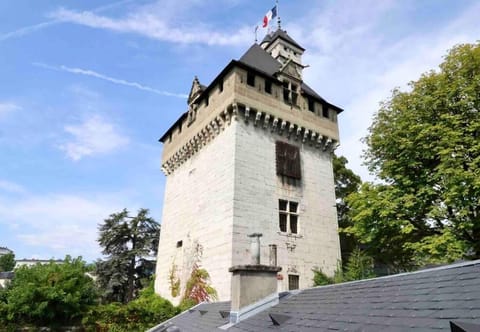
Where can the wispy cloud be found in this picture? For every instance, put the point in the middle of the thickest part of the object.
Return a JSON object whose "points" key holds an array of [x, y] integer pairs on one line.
{"points": [[61, 223], [91, 73], [156, 27], [11, 187], [8, 107], [93, 136], [39, 26]]}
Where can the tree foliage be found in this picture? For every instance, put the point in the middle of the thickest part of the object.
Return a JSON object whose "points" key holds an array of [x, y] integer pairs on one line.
{"points": [[346, 183], [424, 145], [140, 314], [7, 262], [129, 244], [358, 266], [48, 295]]}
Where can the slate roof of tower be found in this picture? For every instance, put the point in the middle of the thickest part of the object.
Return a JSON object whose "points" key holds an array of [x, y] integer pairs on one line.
{"points": [[279, 33], [419, 301], [256, 57]]}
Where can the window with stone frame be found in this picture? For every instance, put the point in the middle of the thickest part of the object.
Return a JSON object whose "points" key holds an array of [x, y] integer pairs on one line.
{"points": [[288, 160], [288, 216], [293, 282]]}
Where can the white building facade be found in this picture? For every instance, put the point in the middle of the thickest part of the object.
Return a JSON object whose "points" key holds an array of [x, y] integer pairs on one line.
{"points": [[251, 155]]}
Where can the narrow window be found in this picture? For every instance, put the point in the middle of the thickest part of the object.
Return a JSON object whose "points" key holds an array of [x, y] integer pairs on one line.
{"points": [[206, 100], [311, 105], [180, 128], [288, 216], [294, 94], [288, 160], [286, 93], [268, 86], [325, 111], [250, 79], [282, 216], [179, 244], [220, 85], [293, 282]]}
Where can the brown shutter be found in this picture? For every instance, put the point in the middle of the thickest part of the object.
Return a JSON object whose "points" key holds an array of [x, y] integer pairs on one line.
{"points": [[288, 160]]}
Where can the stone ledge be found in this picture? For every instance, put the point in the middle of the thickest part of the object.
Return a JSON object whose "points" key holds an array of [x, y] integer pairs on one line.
{"points": [[255, 268]]}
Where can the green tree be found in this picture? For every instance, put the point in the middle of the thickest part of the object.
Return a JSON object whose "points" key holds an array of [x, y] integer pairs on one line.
{"points": [[7, 262], [424, 145], [48, 295], [359, 266], [346, 183], [128, 243]]}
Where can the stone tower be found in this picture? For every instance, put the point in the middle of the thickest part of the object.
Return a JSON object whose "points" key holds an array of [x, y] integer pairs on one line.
{"points": [[251, 155]]}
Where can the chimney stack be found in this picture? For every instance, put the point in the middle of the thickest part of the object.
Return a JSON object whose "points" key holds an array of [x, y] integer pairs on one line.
{"points": [[254, 287]]}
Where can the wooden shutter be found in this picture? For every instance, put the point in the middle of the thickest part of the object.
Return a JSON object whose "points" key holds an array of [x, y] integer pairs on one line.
{"points": [[288, 160]]}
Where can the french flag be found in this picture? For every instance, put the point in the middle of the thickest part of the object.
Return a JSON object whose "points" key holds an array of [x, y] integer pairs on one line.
{"points": [[272, 13]]}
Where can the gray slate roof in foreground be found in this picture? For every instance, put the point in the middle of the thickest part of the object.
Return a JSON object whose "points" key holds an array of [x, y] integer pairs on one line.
{"points": [[419, 301]]}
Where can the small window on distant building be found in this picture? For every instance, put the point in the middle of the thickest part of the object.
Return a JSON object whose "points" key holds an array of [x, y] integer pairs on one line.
{"points": [[325, 111], [288, 160], [251, 79], [268, 86], [288, 216], [311, 105], [293, 282], [179, 244], [220, 85]]}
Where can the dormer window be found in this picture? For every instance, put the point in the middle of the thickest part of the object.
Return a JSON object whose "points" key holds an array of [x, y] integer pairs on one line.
{"points": [[290, 94], [251, 79]]}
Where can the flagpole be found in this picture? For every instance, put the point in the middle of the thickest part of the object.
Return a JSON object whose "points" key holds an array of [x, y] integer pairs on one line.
{"points": [[278, 14]]}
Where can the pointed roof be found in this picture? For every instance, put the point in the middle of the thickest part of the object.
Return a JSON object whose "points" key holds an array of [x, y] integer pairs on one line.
{"points": [[256, 57], [270, 38]]}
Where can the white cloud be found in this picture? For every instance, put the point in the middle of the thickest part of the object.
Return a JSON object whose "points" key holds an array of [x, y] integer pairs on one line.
{"points": [[60, 224], [39, 26], [354, 64], [94, 136], [11, 187], [7, 107], [156, 26]]}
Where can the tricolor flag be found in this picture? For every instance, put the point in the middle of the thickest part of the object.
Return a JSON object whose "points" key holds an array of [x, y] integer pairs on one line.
{"points": [[272, 13]]}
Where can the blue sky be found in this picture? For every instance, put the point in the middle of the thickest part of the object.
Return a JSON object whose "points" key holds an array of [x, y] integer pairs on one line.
{"points": [[88, 87]]}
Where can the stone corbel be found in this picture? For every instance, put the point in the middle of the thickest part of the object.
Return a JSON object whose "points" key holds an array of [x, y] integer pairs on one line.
{"points": [[282, 126], [299, 133], [290, 129], [274, 124], [234, 111], [221, 123], [227, 116], [257, 117], [327, 144], [247, 114], [305, 135], [319, 141], [266, 121]]}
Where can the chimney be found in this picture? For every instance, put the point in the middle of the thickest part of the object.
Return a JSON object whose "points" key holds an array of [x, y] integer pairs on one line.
{"points": [[254, 286]]}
